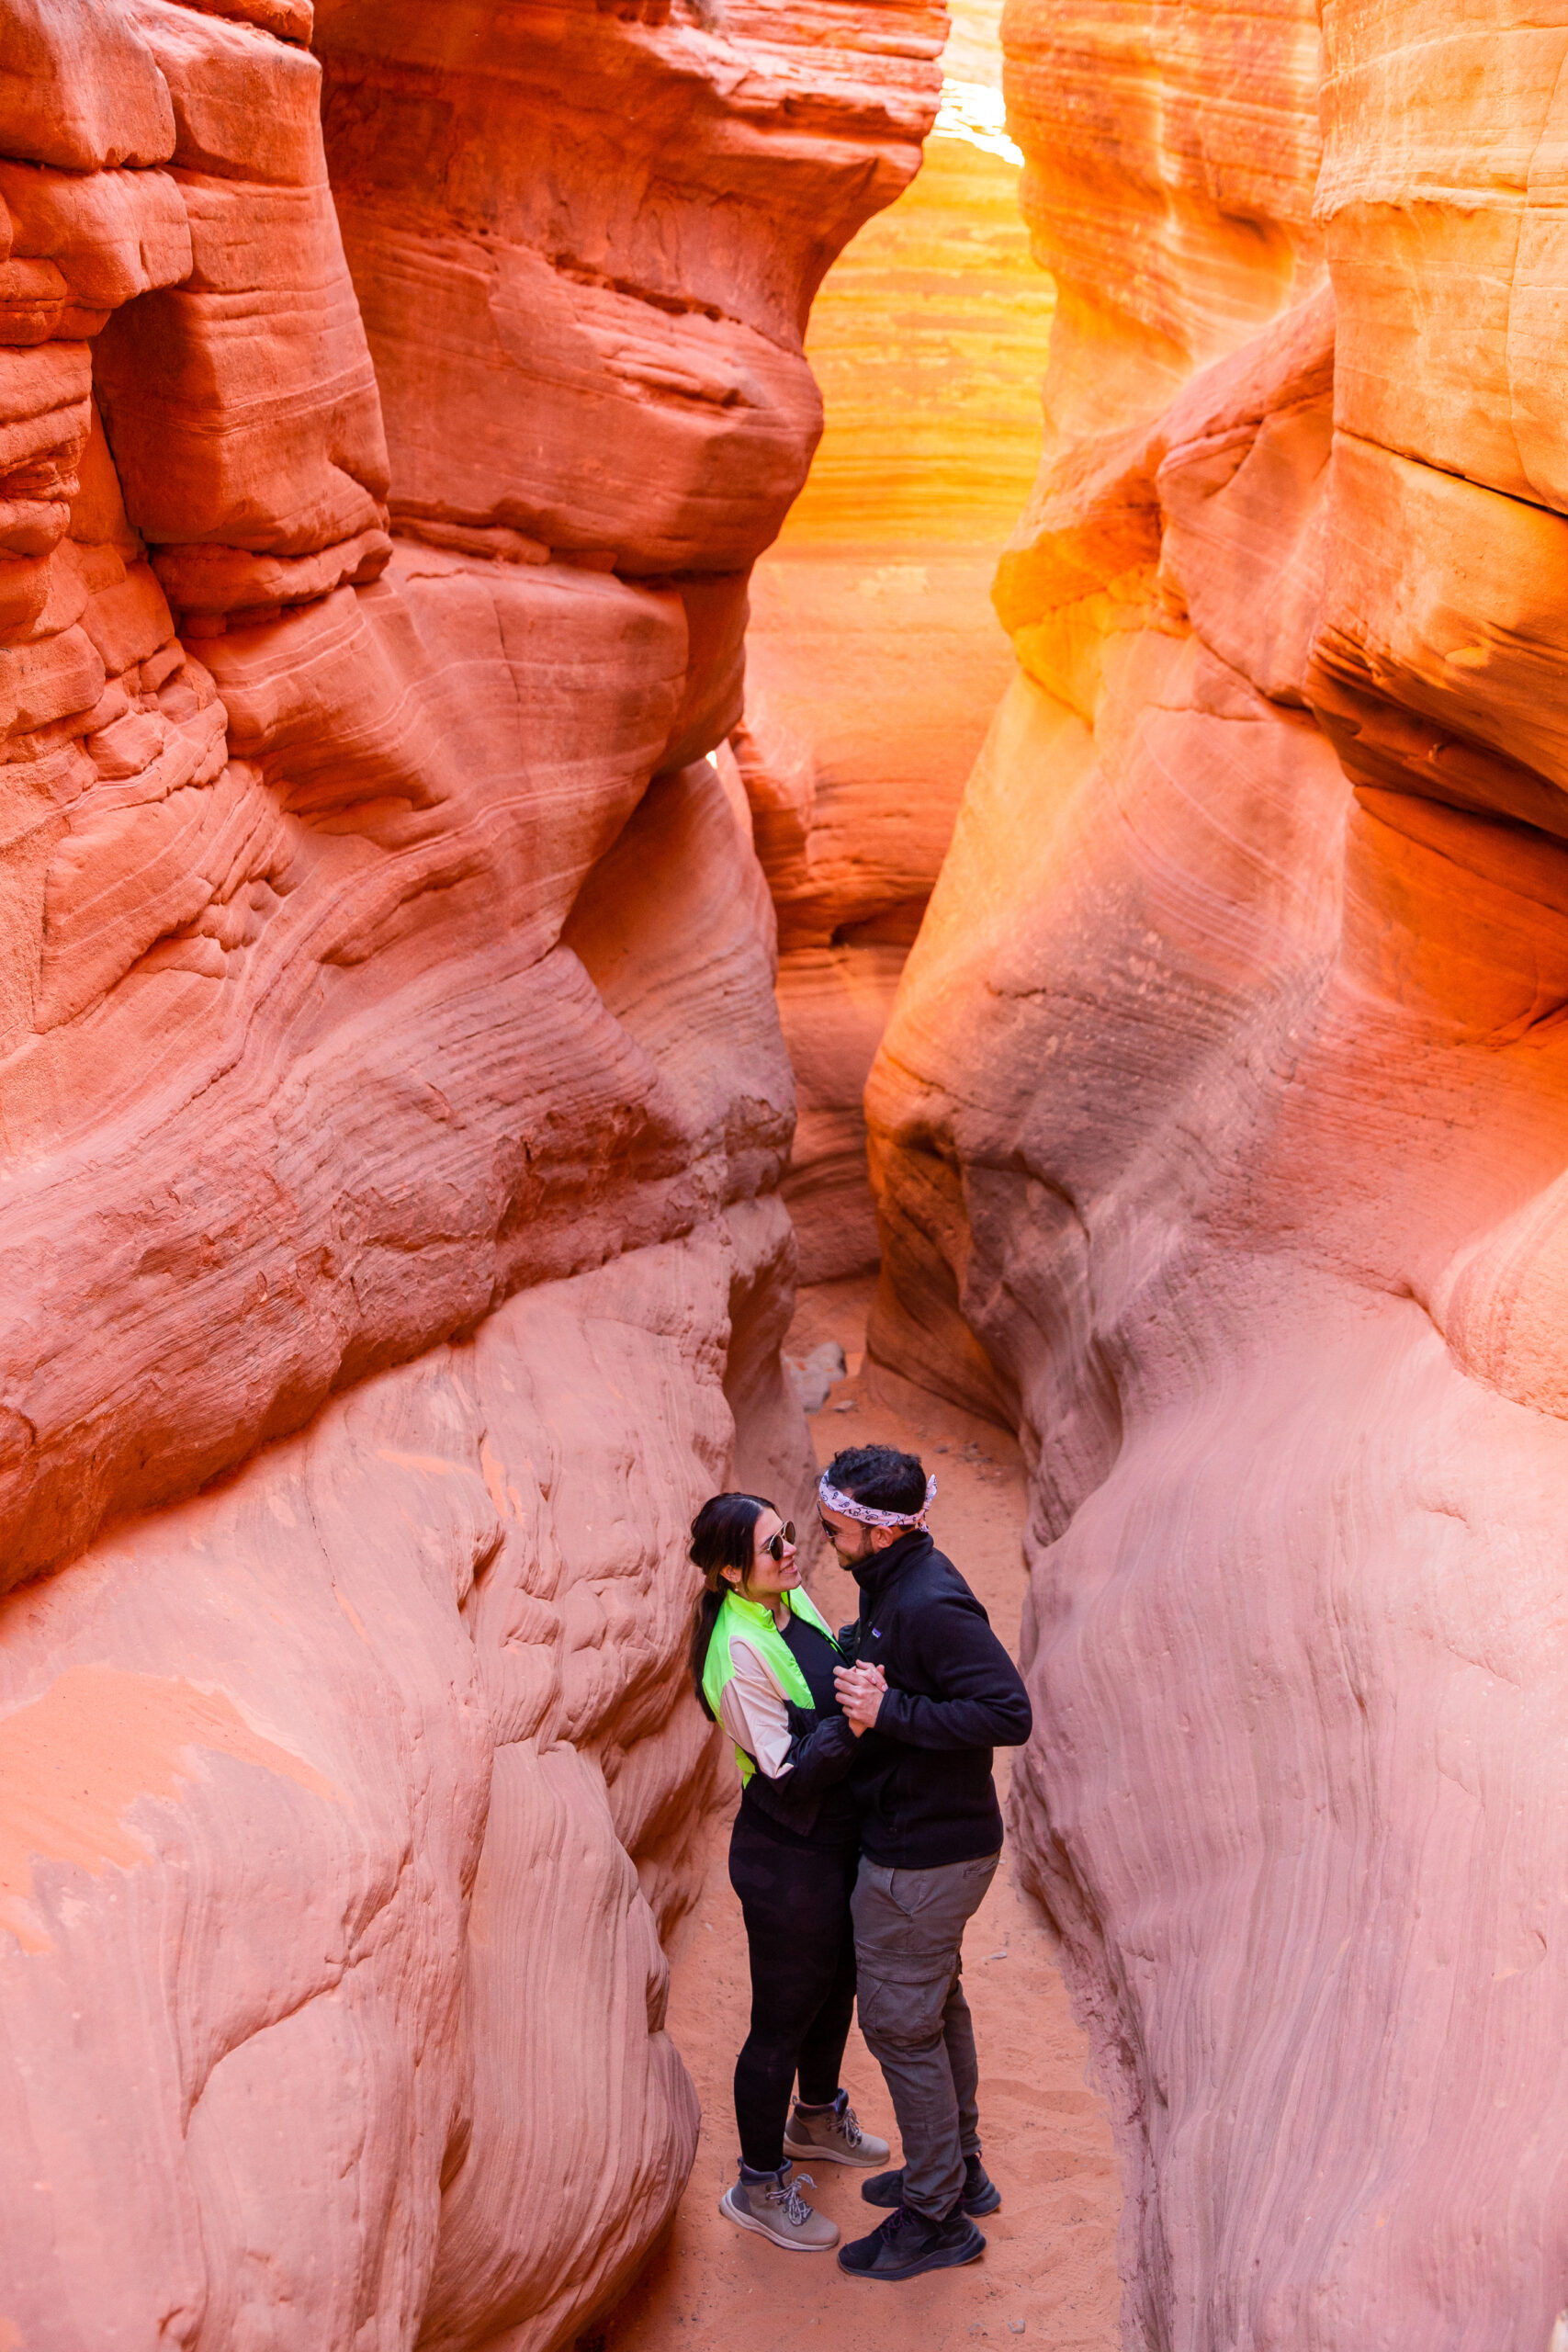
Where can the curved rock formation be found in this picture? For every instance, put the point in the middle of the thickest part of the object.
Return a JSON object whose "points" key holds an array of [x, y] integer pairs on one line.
{"points": [[1221, 1138], [392, 1104]]}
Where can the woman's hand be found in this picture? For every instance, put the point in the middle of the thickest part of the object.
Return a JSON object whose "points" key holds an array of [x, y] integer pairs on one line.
{"points": [[861, 1690]]}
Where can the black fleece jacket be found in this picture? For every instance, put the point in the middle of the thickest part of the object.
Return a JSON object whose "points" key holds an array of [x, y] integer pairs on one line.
{"points": [[923, 1777]]}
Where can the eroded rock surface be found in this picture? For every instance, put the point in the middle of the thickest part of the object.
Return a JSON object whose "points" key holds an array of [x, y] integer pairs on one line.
{"points": [[1222, 1126], [392, 1103]]}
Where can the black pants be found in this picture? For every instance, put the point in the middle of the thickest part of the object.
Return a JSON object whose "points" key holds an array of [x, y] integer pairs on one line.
{"points": [[795, 1900]]}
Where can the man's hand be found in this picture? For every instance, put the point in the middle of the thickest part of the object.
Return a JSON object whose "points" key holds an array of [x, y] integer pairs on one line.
{"points": [[861, 1690]]}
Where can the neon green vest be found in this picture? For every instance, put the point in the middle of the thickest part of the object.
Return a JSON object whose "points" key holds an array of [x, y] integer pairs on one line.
{"points": [[755, 1618]]}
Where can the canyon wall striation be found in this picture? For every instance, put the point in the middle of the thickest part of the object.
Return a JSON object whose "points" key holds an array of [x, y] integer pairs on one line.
{"points": [[394, 1103], [1221, 1134]]}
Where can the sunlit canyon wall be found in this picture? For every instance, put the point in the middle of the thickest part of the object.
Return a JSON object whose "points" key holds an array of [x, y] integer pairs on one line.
{"points": [[393, 1104], [875, 659], [1222, 1131]]}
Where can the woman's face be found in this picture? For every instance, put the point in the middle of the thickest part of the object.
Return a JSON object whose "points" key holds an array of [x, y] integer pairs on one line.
{"points": [[769, 1577]]}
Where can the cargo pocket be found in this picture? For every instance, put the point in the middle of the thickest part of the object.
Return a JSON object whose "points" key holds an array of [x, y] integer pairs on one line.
{"points": [[901, 2013]]}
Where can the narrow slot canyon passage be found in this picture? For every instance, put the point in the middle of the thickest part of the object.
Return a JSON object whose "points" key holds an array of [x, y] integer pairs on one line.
{"points": [[875, 661], [1048, 2276]]}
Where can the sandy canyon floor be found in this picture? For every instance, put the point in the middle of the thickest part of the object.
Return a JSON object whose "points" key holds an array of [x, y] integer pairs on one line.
{"points": [[1049, 2272]]}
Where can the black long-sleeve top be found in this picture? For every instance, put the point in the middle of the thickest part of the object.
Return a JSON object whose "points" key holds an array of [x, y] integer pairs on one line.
{"points": [[923, 1779]]}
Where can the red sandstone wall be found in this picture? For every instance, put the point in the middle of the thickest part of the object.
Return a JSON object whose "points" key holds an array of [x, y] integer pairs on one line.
{"points": [[1222, 1126], [393, 1103]]}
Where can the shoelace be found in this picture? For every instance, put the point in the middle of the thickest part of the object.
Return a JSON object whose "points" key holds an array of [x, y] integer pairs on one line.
{"points": [[852, 2132], [796, 2209]]}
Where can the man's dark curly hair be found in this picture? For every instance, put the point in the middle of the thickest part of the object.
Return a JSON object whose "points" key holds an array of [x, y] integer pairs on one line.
{"points": [[880, 1477]]}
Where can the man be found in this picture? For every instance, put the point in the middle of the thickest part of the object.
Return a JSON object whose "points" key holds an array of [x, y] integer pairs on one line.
{"points": [[933, 1691]]}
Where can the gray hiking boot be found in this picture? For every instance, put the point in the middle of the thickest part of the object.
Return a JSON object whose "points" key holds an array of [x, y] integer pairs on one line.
{"points": [[833, 2134], [775, 2208]]}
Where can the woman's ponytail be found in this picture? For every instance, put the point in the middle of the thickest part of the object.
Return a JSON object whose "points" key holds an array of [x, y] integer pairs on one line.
{"points": [[721, 1538], [703, 1619]]}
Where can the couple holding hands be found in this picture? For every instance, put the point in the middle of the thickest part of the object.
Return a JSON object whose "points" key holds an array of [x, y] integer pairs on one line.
{"points": [[868, 1832]]}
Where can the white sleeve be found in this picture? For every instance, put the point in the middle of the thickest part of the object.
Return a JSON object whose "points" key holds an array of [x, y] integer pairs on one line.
{"points": [[754, 1713]]}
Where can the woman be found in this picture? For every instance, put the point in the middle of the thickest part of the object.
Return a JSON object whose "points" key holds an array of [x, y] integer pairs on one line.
{"points": [[762, 1661]]}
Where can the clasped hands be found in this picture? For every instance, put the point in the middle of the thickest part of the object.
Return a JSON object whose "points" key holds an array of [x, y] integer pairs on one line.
{"points": [[861, 1690]]}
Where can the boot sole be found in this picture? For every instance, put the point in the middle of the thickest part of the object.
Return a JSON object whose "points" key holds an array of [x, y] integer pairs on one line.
{"points": [[760, 2229], [831, 2155], [939, 2258]]}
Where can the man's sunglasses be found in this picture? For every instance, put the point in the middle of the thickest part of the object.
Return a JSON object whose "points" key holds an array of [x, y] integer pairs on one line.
{"points": [[775, 1543]]}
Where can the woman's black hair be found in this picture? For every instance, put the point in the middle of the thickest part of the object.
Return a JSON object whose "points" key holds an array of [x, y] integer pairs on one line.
{"points": [[722, 1536]]}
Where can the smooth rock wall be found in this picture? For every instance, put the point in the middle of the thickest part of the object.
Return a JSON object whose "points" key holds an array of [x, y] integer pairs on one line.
{"points": [[392, 1105], [1221, 1131]]}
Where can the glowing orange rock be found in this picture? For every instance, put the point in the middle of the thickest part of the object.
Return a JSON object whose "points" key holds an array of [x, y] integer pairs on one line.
{"points": [[874, 657], [1170, 160]]}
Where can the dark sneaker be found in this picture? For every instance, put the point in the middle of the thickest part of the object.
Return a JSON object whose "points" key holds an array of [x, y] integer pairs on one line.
{"points": [[833, 2134], [906, 2243], [981, 2194]]}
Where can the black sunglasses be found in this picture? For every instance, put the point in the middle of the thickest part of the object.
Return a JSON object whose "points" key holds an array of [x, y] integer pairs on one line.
{"points": [[775, 1543]]}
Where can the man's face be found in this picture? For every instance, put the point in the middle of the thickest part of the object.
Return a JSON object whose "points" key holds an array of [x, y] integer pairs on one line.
{"points": [[850, 1538], [853, 1539]]}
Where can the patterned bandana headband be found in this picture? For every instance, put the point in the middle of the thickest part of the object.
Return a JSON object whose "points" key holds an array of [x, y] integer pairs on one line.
{"points": [[847, 1507]]}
